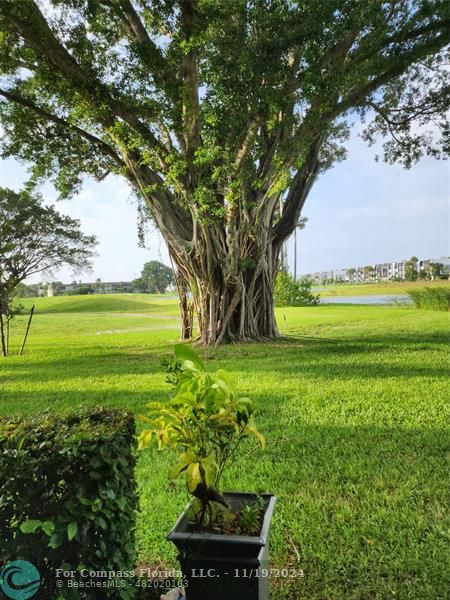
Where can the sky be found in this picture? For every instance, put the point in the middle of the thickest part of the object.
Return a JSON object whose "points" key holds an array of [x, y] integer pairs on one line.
{"points": [[364, 212], [360, 212]]}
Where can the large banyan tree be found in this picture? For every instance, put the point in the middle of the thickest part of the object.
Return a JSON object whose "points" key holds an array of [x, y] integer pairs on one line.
{"points": [[221, 114]]}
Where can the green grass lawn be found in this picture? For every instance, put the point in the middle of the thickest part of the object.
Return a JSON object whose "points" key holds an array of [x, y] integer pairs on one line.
{"points": [[354, 406], [383, 288]]}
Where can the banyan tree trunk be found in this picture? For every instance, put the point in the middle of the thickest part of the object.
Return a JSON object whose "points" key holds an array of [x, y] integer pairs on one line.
{"points": [[229, 304]]}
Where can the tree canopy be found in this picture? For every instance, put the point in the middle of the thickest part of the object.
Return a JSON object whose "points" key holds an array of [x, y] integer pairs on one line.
{"points": [[220, 115], [411, 273], [155, 278]]}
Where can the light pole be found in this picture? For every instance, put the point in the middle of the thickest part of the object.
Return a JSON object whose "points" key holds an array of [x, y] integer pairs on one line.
{"points": [[295, 254], [300, 225]]}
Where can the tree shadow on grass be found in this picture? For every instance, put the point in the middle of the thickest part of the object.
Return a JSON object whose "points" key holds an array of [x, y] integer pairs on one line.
{"points": [[374, 358], [364, 508], [90, 364], [394, 339]]}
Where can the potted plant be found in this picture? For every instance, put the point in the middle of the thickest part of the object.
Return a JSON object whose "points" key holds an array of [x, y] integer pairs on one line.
{"points": [[222, 538]]}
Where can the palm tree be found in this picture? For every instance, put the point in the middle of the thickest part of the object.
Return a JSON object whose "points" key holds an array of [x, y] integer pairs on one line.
{"points": [[369, 272]]}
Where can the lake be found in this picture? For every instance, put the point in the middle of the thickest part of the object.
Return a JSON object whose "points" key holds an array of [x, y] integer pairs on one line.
{"points": [[374, 299]]}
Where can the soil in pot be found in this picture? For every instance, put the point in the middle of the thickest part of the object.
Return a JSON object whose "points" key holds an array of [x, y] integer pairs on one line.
{"points": [[219, 520]]}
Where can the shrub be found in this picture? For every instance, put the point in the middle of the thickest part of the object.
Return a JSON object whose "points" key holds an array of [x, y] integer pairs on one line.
{"points": [[289, 292], [430, 298], [68, 496]]}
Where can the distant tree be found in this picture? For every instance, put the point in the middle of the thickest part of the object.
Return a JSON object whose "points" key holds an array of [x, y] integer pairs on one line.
{"points": [[137, 285], [122, 287], [22, 291], [83, 290], [411, 273], [156, 277], [27, 291], [436, 270], [97, 285], [369, 272], [34, 238], [351, 273]]}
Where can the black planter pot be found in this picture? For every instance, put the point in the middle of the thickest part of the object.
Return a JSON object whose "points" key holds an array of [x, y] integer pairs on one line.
{"points": [[225, 567]]}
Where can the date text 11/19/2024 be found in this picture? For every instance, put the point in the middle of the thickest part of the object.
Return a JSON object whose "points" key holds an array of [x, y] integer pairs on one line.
{"points": [[275, 573]]}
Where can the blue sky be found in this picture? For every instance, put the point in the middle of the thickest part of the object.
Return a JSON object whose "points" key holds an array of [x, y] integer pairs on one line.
{"points": [[364, 212], [360, 212]]}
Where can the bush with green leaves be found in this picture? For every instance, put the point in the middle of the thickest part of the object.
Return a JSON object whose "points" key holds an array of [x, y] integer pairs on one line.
{"points": [[68, 496], [289, 292], [205, 420]]}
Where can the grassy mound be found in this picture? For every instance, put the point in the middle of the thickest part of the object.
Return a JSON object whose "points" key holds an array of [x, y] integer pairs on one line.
{"points": [[101, 303]]}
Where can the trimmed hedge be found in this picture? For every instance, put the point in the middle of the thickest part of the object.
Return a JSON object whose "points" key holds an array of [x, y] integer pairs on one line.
{"points": [[68, 496]]}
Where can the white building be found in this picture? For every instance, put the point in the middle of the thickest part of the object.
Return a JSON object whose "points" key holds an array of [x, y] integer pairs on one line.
{"points": [[380, 272]]}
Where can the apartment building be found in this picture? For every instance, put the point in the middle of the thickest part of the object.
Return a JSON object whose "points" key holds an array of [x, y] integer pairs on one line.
{"points": [[387, 271]]}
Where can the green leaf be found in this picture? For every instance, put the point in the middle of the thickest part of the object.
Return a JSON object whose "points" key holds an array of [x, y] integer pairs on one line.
{"points": [[30, 526], [97, 505], [185, 354], [85, 501], [228, 379], [209, 467], [247, 405], [144, 418], [121, 503], [154, 406], [244, 409], [48, 527], [183, 399], [193, 476], [144, 439], [186, 459], [214, 397], [72, 529], [55, 541]]}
